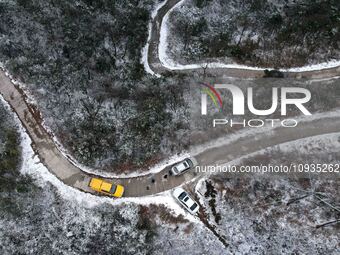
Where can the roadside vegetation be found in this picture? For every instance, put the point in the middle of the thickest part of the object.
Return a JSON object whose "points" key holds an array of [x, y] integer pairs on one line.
{"points": [[249, 211], [276, 213], [81, 62], [36, 219], [258, 32], [12, 183]]}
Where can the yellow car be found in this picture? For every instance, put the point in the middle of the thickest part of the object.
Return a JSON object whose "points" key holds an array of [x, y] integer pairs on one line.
{"points": [[106, 188]]}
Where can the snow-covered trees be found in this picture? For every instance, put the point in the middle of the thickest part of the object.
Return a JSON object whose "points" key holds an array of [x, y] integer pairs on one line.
{"points": [[258, 32], [81, 61]]}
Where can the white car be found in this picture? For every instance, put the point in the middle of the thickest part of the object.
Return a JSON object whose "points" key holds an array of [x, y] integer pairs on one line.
{"points": [[184, 199], [183, 166]]}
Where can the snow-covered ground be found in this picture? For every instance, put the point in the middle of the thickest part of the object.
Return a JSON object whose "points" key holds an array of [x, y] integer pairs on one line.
{"points": [[172, 65], [254, 212], [32, 166]]}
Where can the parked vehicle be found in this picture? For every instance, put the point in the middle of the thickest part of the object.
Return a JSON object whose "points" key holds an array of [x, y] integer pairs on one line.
{"points": [[185, 200], [106, 188], [183, 166]]}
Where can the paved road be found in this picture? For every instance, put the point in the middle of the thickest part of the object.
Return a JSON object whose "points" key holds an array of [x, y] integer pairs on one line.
{"points": [[157, 67], [71, 175]]}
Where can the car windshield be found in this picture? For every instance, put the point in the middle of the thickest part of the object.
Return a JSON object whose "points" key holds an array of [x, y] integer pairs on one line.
{"points": [[113, 189], [182, 195], [193, 206]]}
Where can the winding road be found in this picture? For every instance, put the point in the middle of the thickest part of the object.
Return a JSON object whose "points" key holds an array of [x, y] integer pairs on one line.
{"points": [[156, 65], [63, 168]]}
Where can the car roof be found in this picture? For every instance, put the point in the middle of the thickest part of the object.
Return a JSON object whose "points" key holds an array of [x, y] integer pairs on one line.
{"points": [[106, 186], [189, 202], [96, 183], [181, 166]]}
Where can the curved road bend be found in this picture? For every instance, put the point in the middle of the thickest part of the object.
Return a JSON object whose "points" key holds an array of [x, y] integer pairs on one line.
{"points": [[71, 175], [156, 65]]}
